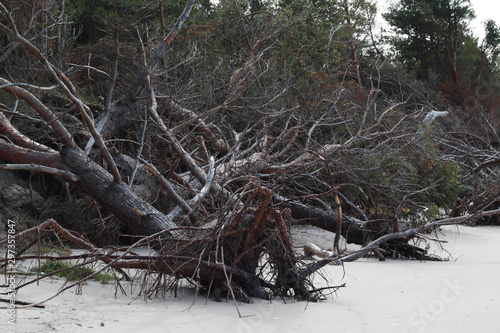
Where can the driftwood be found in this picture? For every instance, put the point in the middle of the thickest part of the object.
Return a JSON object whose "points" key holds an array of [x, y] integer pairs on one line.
{"points": [[312, 249]]}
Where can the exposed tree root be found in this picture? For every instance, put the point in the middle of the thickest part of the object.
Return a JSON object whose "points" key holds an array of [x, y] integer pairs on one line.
{"points": [[247, 252]]}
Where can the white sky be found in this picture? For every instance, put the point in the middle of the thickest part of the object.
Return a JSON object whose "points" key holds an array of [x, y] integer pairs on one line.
{"points": [[484, 9]]}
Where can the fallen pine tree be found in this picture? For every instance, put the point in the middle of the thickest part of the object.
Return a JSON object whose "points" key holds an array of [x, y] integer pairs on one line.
{"points": [[230, 193], [213, 263]]}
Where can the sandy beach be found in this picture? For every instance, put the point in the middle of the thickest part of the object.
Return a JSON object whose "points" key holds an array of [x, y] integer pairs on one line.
{"points": [[459, 295]]}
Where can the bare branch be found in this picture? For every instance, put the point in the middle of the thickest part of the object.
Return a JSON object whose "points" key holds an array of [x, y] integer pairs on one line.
{"points": [[170, 190], [65, 175], [16, 154], [69, 90], [42, 110], [487, 164], [156, 56], [193, 203], [404, 235], [18, 138]]}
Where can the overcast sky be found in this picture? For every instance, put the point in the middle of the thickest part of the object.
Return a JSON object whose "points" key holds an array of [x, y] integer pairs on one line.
{"points": [[484, 9]]}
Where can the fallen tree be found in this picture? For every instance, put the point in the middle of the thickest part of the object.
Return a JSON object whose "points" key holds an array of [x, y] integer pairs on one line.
{"points": [[231, 194], [242, 227], [217, 274]]}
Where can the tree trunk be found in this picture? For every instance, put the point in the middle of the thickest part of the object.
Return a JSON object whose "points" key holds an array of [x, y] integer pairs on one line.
{"points": [[351, 229], [139, 216]]}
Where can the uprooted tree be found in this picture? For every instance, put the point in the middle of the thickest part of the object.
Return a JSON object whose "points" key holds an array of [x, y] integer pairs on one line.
{"points": [[211, 160]]}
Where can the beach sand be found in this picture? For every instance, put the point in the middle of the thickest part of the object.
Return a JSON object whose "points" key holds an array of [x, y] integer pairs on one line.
{"points": [[459, 295]]}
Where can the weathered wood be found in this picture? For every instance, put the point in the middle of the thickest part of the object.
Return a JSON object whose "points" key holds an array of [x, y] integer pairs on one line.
{"points": [[139, 216], [396, 236], [351, 228]]}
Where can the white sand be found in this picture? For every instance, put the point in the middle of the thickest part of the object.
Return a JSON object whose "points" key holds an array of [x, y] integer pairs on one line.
{"points": [[461, 295]]}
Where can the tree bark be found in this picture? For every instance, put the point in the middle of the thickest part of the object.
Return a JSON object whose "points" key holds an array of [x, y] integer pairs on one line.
{"points": [[351, 228], [139, 216]]}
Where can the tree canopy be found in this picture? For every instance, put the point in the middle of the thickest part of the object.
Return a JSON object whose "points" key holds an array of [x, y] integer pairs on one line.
{"points": [[430, 34]]}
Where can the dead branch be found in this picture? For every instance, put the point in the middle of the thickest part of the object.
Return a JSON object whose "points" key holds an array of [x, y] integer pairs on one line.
{"points": [[15, 154], [487, 164], [18, 138], [312, 249], [402, 235], [193, 203], [40, 168], [170, 190], [42, 110], [70, 91], [132, 95]]}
